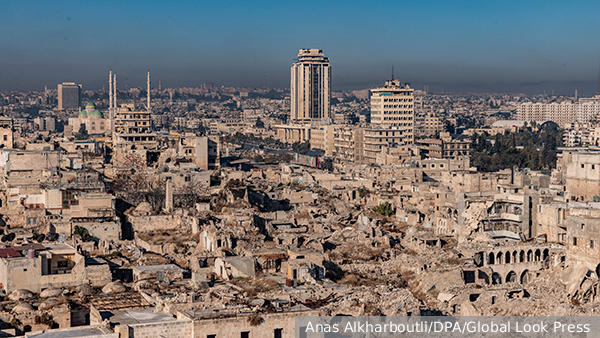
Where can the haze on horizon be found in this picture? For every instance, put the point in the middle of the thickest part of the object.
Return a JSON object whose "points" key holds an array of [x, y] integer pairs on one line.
{"points": [[480, 46]]}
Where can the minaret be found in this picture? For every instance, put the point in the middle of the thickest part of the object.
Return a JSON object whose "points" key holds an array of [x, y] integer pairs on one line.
{"points": [[110, 94], [115, 92], [159, 86], [148, 105]]}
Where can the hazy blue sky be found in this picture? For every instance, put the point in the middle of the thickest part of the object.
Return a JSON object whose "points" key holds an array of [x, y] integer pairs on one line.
{"points": [[485, 46]]}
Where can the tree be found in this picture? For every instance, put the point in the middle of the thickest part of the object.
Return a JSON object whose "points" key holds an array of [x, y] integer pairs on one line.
{"points": [[202, 129], [83, 232], [301, 147], [327, 164], [362, 192], [258, 158], [82, 134], [259, 123], [384, 209]]}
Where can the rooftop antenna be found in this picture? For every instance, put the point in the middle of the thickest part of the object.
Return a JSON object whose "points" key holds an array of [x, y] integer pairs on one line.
{"points": [[392, 73]]}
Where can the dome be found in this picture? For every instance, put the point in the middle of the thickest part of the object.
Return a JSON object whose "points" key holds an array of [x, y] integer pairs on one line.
{"points": [[83, 113], [90, 107], [114, 288], [22, 307], [49, 303], [94, 113], [20, 294], [144, 207], [51, 293], [84, 290]]}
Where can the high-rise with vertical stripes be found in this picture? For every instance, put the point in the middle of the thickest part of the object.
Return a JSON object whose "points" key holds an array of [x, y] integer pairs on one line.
{"points": [[311, 88]]}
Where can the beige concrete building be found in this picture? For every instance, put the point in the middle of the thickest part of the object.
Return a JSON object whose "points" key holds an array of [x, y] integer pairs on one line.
{"points": [[133, 127], [427, 125], [201, 150], [291, 133], [321, 137], [310, 87], [57, 265], [393, 106], [582, 176], [376, 138], [133, 136], [6, 132], [583, 111], [348, 144], [45, 123]]}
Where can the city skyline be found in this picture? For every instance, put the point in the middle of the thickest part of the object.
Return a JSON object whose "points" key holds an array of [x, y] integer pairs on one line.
{"points": [[470, 46]]}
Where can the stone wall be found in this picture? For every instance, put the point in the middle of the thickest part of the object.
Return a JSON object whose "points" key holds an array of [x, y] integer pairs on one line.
{"points": [[174, 329], [155, 223]]}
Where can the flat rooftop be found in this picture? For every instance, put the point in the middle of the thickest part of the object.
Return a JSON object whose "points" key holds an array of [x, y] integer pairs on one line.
{"points": [[75, 333], [161, 267], [136, 316], [207, 314]]}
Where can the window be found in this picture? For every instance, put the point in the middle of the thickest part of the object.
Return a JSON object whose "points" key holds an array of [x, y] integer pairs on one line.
{"points": [[278, 333], [591, 244], [211, 336], [245, 334], [593, 167], [582, 166], [5, 137], [582, 226], [575, 241]]}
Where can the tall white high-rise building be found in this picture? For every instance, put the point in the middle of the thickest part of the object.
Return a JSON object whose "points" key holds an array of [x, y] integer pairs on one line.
{"points": [[311, 88]]}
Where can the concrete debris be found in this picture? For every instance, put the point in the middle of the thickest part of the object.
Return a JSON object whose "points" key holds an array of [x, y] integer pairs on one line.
{"points": [[162, 239], [52, 292], [22, 308], [20, 294], [114, 288]]}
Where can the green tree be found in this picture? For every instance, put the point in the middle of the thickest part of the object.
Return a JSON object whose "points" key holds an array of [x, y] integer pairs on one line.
{"points": [[384, 209], [82, 134], [362, 192], [81, 231], [286, 158], [301, 147], [258, 158], [327, 164], [259, 123]]}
